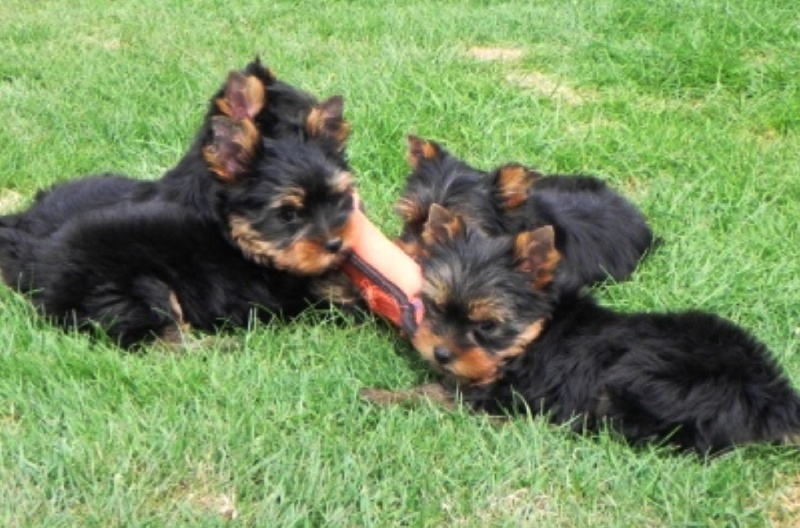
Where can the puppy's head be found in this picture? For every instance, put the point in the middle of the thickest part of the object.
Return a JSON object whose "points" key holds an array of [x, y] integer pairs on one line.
{"points": [[486, 298], [288, 201], [438, 177], [295, 210]]}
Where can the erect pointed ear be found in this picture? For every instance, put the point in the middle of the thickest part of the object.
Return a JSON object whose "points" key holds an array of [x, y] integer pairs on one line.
{"points": [[326, 119], [410, 210], [420, 149], [243, 97], [536, 254], [259, 70], [442, 226], [231, 148], [512, 182]]}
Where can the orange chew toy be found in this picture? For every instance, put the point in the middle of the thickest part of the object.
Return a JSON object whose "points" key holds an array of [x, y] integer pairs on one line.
{"points": [[388, 279]]}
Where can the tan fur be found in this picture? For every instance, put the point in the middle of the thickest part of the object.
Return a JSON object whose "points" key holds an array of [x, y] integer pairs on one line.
{"points": [[294, 197], [326, 120], [488, 309], [522, 341], [424, 340], [441, 227], [244, 96], [535, 250], [419, 149], [410, 211], [343, 182], [513, 184], [435, 291], [305, 257], [472, 365], [232, 149]]}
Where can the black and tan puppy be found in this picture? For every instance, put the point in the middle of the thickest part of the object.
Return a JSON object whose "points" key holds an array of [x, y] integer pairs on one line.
{"points": [[493, 324], [246, 225], [598, 232]]}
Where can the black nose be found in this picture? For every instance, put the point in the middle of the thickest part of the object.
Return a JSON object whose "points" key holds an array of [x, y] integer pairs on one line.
{"points": [[442, 355], [333, 245]]}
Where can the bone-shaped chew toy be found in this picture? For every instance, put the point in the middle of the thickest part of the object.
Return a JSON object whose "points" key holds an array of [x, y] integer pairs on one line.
{"points": [[388, 279]]}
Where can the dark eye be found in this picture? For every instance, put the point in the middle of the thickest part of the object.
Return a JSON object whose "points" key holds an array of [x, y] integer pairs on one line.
{"points": [[487, 326], [483, 330], [287, 214]]}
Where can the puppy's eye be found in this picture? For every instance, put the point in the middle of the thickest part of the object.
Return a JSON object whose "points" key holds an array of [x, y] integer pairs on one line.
{"points": [[287, 214], [486, 327], [483, 331]]}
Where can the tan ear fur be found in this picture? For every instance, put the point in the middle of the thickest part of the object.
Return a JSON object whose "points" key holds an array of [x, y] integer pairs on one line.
{"points": [[410, 211], [512, 184], [326, 119], [244, 96], [537, 255], [232, 147], [442, 226], [420, 149]]}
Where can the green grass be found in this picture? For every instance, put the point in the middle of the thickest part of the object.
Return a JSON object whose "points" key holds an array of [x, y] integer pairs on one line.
{"points": [[690, 108]]}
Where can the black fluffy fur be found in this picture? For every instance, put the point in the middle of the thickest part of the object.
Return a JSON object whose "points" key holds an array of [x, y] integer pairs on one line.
{"points": [[691, 379], [599, 233], [119, 253], [117, 268]]}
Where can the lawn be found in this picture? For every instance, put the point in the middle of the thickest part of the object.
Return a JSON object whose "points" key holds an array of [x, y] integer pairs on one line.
{"points": [[692, 109]]}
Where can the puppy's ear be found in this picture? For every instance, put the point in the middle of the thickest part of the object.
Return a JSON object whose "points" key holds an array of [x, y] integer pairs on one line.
{"points": [[420, 149], [326, 119], [231, 149], [536, 255], [261, 71], [243, 97], [512, 182], [442, 226]]}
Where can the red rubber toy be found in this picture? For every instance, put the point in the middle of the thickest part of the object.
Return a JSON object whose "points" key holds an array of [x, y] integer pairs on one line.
{"points": [[389, 280]]}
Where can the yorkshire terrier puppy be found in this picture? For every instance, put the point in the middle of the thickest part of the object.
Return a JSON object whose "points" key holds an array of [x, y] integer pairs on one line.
{"points": [[599, 233], [494, 325], [245, 226]]}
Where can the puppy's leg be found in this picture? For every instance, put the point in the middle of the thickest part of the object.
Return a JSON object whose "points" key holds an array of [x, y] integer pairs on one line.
{"points": [[431, 392], [135, 312], [434, 393]]}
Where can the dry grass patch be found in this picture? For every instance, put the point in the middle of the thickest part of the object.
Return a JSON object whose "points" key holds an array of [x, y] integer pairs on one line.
{"points": [[10, 201], [786, 513], [108, 44], [545, 85], [204, 496], [521, 505], [495, 54]]}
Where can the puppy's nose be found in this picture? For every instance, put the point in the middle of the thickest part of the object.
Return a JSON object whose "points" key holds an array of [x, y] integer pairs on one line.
{"points": [[442, 355], [332, 245]]}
